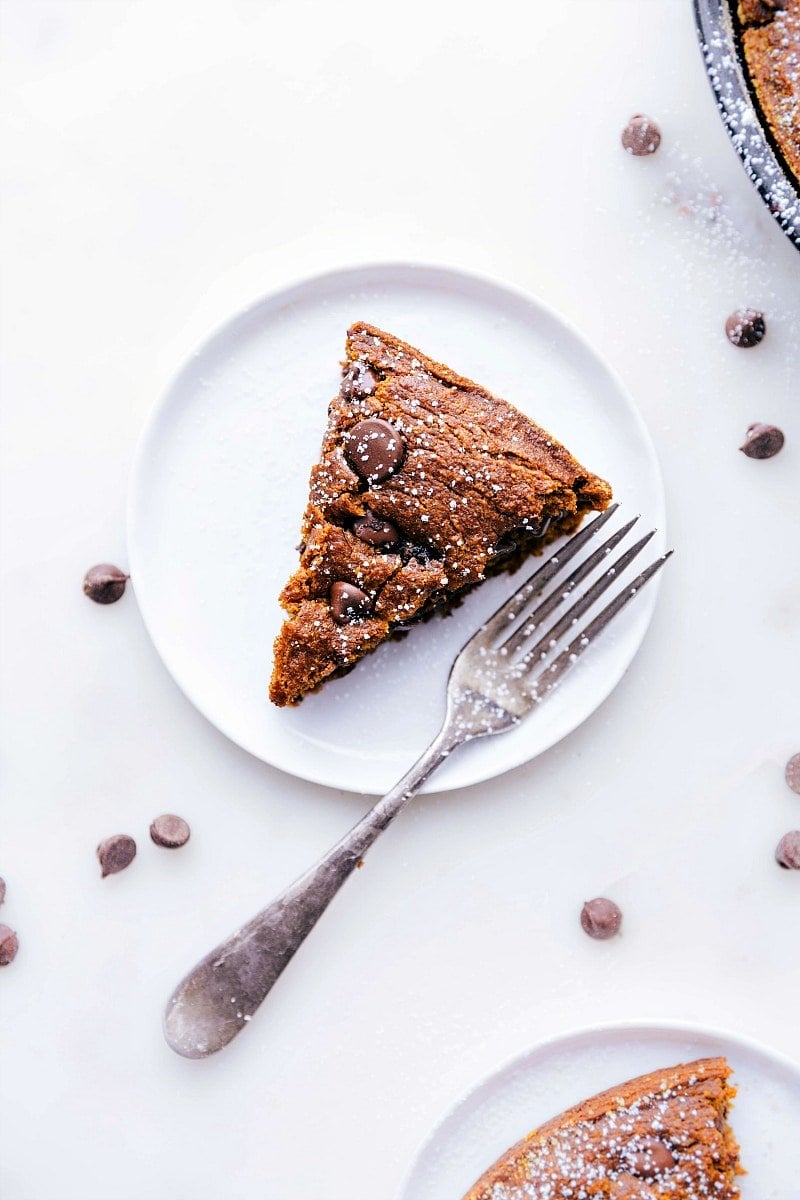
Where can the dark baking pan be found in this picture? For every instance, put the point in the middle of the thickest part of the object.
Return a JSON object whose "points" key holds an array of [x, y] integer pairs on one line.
{"points": [[720, 41]]}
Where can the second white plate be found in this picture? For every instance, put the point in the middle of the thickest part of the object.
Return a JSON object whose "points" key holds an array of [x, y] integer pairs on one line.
{"points": [[219, 487], [558, 1074]]}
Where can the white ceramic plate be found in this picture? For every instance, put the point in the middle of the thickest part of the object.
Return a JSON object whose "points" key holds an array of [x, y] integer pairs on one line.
{"points": [[219, 487], [556, 1075]]}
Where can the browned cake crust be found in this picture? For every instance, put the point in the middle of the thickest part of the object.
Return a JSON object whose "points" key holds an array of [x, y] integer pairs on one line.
{"points": [[661, 1135], [771, 40], [476, 487]]}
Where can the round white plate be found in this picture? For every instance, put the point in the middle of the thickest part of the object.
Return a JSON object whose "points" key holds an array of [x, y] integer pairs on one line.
{"points": [[219, 486], [552, 1077]]}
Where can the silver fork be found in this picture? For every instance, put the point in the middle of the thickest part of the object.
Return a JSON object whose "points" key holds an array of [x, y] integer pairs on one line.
{"points": [[499, 676]]}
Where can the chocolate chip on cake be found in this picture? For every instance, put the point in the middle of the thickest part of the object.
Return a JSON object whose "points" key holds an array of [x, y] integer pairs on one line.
{"points": [[374, 448], [348, 603], [170, 831], [760, 12], [474, 466], [762, 441], [745, 327], [116, 853], [375, 531], [651, 1157], [9, 945], [793, 773], [421, 553], [601, 918], [358, 381], [104, 583], [641, 135], [787, 852]]}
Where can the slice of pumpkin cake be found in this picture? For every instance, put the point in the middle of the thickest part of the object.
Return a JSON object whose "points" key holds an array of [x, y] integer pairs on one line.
{"points": [[426, 483], [662, 1136]]}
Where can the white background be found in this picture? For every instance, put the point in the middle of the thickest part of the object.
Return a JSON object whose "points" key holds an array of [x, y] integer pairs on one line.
{"points": [[163, 165]]}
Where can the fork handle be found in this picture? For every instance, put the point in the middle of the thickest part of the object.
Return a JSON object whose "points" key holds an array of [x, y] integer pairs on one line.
{"points": [[220, 994]]}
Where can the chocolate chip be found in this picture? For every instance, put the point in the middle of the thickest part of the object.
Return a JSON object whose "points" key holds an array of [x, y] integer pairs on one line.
{"points": [[2, 890], [104, 583], [792, 776], [116, 853], [541, 527], [375, 531], [374, 448], [787, 852], [650, 1158], [9, 945], [510, 541], [762, 441], [601, 918], [745, 327], [358, 381], [421, 553], [760, 12], [641, 135], [348, 603], [505, 545], [170, 831]]}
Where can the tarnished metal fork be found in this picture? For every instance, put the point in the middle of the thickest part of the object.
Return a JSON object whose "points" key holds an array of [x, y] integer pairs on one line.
{"points": [[505, 670]]}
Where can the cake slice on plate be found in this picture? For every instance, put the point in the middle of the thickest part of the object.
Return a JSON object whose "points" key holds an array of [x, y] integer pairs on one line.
{"points": [[426, 483], [663, 1136]]}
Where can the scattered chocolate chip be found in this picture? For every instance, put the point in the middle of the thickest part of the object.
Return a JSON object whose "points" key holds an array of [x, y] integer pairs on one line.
{"points": [[374, 448], [348, 603], [601, 918], [375, 531], [116, 853], [641, 135], [170, 831], [2, 890], [651, 1157], [787, 852], [104, 583], [9, 945], [745, 327], [792, 776], [358, 381], [762, 441]]}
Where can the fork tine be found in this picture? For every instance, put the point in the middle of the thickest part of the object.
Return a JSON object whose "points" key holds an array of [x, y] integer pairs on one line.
{"points": [[551, 675], [510, 609], [584, 602], [560, 593]]}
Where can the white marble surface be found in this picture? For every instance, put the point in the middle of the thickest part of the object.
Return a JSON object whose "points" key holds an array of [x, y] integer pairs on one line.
{"points": [[163, 165]]}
